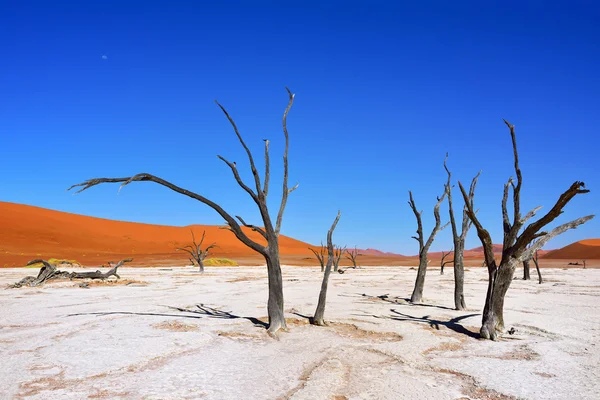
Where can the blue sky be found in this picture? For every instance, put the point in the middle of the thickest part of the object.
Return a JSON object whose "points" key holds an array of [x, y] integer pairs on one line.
{"points": [[113, 88]]}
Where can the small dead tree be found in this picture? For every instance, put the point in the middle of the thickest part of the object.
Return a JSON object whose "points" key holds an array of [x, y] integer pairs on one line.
{"points": [[537, 267], [50, 272], [516, 247], [443, 261], [583, 264], [320, 255], [352, 255], [459, 239], [197, 254], [320, 311], [338, 251], [269, 231], [417, 294]]}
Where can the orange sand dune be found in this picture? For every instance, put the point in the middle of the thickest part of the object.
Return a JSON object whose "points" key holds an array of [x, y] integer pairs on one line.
{"points": [[28, 232], [588, 249]]}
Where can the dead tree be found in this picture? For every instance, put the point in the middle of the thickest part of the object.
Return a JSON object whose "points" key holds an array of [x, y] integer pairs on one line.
{"points": [[320, 311], [269, 231], [338, 251], [197, 254], [516, 247], [537, 267], [50, 272], [352, 255], [526, 274], [417, 295], [583, 264], [443, 261], [459, 239], [320, 255]]}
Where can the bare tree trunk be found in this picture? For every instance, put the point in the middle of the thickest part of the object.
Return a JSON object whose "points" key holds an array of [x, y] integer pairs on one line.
{"points": [[526, 275], [320, 311], [201, 266], [537, 268], [275, 301], [417, 294], [459, 277]]}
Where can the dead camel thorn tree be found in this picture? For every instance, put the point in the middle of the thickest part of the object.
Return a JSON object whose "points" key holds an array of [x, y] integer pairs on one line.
{"points": [[417, 294], [352, 255], [459, 239], [320, 255], [338, 252], [537, 267], [197, 254], [443, 261], [516, 247], [320, 311], [269, 231]]}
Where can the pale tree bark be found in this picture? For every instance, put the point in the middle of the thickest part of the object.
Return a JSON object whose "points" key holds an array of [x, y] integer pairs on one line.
{"points": [[459, 239], [517, 247], [417, 294], [196, 252], [269, 231], [318, 319], [320, 255], [443, 261]]}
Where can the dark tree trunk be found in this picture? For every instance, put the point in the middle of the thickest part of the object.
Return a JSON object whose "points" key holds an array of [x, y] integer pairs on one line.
{"points": [[275, 301], [459, 276], [201, 266], [537, 268], [417, 294], [319, 318], [526, 275], [493, 312]]}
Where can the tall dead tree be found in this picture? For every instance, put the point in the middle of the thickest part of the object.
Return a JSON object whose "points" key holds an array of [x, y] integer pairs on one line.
{"points": [[417, 294], [352, 255], [443, 261], [320, 311], [269, 231], [526, 274], [459, 239], [516, 247], [537, 267], [320, 255], [196, 252]]}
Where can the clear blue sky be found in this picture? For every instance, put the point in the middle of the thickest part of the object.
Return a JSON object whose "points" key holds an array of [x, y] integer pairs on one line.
{"points": [[113, 88]]}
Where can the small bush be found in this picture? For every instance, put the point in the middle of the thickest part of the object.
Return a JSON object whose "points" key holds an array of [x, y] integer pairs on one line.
{"points": [[220, 262]]}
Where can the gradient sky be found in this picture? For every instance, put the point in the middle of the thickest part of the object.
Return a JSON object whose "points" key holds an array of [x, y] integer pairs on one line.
{"points": [[114, 88]]}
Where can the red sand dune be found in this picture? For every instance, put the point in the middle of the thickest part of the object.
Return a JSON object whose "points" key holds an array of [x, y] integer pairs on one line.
{"points": [[28, 232], [588, 249]]}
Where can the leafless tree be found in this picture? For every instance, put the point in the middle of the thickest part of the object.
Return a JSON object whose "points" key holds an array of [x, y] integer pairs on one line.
{"points": [[459, 239], [537, 267], [417, 294], [583, 264], [197, 254], [320, 255], [320, 311], [352, 255], [526, 274], [516, 247], [269, 231], [338, 252], [443, 261]]}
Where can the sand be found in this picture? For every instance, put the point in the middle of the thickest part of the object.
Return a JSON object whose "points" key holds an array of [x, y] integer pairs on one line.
{"points": [[151, 340]]}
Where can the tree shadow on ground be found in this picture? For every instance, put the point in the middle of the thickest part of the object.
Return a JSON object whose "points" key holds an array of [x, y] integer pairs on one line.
{"points": [[451, 324], [403, 301], [307, 317], [202, 311]]}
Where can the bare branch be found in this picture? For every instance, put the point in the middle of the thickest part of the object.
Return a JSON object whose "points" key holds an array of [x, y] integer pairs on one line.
{"points": [[413, 206], [516, 189], [530, 215], [250, 158], [436, 228], [467, 223], [484, 235], [239, 180], [286, 191], [537, 245], [253, 227], [233, 225], [267, 169]]}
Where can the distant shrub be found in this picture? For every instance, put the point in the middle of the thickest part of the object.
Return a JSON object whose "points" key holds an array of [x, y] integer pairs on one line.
{"points": [[220, 262]]}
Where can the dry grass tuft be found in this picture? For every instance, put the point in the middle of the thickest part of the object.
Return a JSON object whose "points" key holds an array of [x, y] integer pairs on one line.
{"points": [[175, 326]]}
